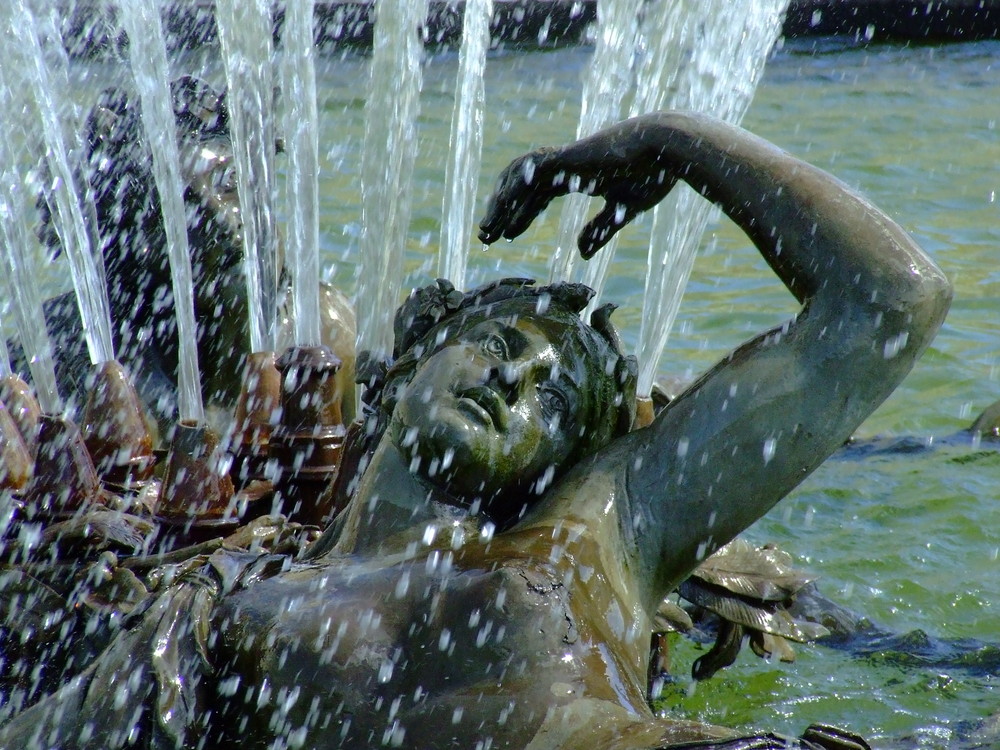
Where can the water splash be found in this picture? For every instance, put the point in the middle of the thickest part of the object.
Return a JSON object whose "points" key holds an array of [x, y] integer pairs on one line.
{"points": [[389, 151], [245, 36], [148, 58], [462, 171], [671, 56], [302, 184], [720, 53]]}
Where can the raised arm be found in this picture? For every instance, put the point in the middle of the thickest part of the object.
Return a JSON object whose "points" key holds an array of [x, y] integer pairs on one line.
{"points": [[763, 418]]}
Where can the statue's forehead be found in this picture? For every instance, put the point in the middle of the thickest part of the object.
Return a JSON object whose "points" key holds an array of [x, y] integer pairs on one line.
{"points": [[553, 330]]}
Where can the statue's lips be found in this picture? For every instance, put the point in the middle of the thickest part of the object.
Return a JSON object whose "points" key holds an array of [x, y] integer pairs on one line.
{"points": [[484, 404]]}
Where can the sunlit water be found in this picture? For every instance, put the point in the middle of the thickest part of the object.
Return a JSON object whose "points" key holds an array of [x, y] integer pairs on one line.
{"points": [[909, 540], [245, 39]]}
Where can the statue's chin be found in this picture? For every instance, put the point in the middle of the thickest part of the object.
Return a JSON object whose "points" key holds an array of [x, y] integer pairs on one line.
{"points": [[463, 480]]}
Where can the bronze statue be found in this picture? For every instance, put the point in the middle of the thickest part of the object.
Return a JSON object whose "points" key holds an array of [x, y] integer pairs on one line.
{"points": [[493, 581], [128, 224]]}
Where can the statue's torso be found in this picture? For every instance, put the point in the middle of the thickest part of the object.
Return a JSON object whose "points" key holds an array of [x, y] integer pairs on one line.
{"points": [[442, 650]]}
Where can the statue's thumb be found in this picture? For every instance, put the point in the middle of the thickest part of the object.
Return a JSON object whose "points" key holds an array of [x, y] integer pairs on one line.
{"points": [[602, 228]]}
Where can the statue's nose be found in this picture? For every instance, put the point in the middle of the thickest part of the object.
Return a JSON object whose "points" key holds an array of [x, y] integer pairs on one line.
{"points": [[504, 378]]}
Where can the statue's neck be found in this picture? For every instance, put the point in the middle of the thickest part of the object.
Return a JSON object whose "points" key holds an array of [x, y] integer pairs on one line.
{"points": [[393, 504]]}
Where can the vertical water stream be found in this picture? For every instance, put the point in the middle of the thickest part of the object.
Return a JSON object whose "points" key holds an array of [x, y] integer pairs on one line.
{"points": [[466, 143], [609, 79], [148, 58], [300, 119], [27, 66], [245, 34], [21, 285], [389, 151]]}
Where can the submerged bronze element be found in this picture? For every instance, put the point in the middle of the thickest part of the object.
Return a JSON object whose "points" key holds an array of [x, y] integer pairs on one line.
{"points": [[494, 578]]}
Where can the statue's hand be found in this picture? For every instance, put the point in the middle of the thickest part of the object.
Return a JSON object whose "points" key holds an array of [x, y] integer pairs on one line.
{"points": [[523, 190], [611, 164]]}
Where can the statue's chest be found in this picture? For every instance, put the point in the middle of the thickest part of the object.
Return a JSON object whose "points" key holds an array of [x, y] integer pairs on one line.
{"points": [[412, 645]]}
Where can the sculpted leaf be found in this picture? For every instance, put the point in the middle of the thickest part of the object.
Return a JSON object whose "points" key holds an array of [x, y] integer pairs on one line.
{"points": [[764, 573]]}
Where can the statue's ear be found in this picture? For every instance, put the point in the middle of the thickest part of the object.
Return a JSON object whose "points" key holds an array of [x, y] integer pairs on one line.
{"points": [[394, 381], [600, 320]]}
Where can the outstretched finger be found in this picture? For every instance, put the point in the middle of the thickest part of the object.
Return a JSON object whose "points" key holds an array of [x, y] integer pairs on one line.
{"points": [[603, 227], [508, 195]]}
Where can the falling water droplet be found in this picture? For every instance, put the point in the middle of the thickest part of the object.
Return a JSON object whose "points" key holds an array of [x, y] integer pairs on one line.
{"points": [[528, 169], [770, 446], [403, 585], [430, 531], [385, 671]]}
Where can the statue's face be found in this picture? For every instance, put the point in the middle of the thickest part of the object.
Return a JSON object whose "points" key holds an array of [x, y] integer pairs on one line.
{"points": [[496, 407]]}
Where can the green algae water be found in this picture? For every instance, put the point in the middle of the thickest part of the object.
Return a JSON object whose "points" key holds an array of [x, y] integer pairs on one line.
{"points": [[909, 539]]}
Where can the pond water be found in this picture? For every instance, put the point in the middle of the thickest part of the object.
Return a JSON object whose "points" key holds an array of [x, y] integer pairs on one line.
{"points": [[910, 540]]}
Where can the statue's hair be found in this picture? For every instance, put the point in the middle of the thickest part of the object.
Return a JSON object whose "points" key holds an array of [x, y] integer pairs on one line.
{"points": [[432, 307]]}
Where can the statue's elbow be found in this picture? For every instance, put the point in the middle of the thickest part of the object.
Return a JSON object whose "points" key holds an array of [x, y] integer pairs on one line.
{"points": [[927, 301], [935, 295]]}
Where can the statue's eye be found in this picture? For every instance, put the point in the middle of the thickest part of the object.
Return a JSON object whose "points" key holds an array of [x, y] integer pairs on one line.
{"points": [[495, 345], [553, 400]]}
